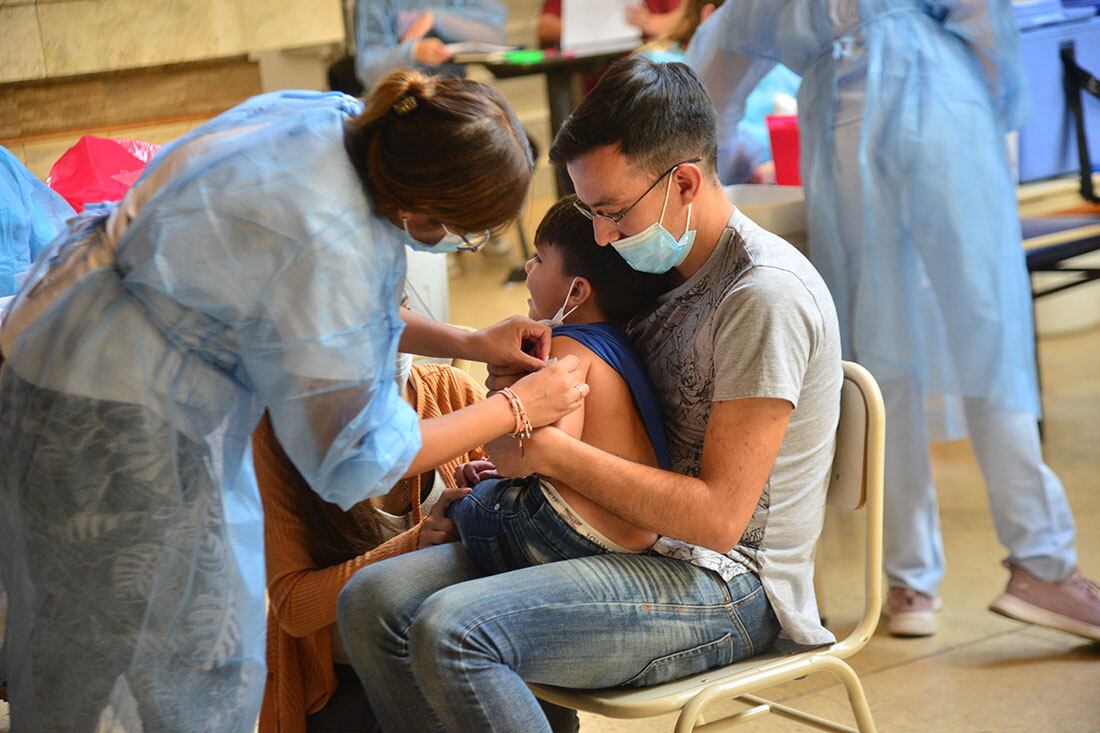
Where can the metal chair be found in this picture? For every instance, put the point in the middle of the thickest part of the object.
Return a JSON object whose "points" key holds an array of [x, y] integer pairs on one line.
{"points": [[856, 483]]}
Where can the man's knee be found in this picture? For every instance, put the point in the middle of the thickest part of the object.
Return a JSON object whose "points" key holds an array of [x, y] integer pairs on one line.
{"points": [[360, 609], [445, 628]]}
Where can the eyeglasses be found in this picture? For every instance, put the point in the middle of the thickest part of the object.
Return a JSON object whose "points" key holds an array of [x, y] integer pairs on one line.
{"points": [[616, 218], [471, 242]]}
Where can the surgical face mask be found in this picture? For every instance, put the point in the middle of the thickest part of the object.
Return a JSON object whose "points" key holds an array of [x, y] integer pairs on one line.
{"points": [[654, 249], [449, 243], [404, 369], [559, 317]]}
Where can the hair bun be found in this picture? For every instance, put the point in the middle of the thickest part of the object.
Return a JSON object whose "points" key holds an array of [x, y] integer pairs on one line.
{"points": [[414, 84]]}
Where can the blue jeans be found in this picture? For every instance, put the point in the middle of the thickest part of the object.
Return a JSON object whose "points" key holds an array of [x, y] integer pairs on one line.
{"points": [[507, 524], [439, 646]]}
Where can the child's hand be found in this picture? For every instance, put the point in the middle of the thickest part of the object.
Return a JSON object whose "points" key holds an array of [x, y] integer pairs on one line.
{"points": [[474, 472]]}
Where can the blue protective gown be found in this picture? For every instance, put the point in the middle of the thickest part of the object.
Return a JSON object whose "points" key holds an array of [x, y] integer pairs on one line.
{"points": [[245, 271], [746, 142], [911, 208], [31, 215]]}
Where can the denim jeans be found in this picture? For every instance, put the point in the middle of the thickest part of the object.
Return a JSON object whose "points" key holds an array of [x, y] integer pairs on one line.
{"points": [[439, 646], [507, 524]]}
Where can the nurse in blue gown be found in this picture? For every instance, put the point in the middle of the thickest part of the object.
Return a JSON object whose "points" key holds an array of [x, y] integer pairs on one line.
{"points": [[912, 219], [258, 264]]}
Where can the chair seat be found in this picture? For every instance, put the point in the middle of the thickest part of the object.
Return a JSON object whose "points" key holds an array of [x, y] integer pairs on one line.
{"points": [[645, 702], [1051, 240]]}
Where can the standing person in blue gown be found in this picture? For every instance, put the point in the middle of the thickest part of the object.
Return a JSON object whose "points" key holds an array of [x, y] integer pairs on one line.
{"points": [[744, 150], [257, 264], [912, 218]]}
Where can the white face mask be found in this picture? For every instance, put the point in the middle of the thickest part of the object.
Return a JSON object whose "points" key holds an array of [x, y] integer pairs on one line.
{"points": [[404, 369], [562, 314]]}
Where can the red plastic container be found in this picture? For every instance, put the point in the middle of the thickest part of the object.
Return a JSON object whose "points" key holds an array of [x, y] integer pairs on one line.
{"points": [[783, 131]]}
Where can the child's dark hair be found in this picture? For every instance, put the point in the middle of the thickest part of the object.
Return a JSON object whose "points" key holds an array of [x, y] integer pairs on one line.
{"points": [[621, 292]]}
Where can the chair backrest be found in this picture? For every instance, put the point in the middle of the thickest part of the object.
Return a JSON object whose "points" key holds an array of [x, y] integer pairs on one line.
{"points": [[857, 483], [848, 481]]}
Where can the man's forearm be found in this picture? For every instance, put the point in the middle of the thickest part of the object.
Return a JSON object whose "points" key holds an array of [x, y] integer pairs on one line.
{"points": [[670, 504]]}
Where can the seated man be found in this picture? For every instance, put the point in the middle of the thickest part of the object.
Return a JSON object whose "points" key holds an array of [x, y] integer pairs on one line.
{"points": [[745, 356], [507, 523]]}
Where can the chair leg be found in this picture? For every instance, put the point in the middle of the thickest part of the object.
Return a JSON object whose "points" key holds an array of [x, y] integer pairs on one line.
{"points": [[856, 695]]}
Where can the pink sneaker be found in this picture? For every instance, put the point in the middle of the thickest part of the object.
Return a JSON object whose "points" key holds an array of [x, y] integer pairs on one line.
{"points": [[1072, 605], [910, 613]]}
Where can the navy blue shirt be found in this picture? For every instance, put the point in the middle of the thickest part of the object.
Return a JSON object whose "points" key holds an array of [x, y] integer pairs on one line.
{"points": [[611, 344]]}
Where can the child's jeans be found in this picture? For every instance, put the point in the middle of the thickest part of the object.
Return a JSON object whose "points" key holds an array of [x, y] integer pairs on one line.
{"points": [[508, 524]]}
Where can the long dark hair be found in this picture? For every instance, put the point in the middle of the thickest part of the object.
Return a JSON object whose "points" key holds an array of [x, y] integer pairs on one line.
{"points": [[336, 536]]}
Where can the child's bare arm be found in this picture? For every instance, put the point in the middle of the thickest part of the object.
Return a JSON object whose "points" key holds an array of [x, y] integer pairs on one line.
{"points": [[560, 346]]}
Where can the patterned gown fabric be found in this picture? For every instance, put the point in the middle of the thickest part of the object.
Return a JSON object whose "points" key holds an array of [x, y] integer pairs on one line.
{"points": [[244, 271]]}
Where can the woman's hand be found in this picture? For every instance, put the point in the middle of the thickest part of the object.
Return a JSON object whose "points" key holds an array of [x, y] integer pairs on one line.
{"points": [[431, 52], [436, 528], [516, 342], [552, 392], [474, 472]]}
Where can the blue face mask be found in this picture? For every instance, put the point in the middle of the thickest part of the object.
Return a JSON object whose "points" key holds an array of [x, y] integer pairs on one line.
{"points": [[654, 249], [450, 243]]}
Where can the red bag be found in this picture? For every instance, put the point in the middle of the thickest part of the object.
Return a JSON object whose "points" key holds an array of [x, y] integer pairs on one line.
{"points": [[99, 169]]}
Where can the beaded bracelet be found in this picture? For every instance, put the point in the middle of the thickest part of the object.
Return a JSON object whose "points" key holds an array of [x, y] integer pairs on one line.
{"points": [[523, 423]]}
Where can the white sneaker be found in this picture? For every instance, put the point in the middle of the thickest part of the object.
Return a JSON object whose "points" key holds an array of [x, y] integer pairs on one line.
{"points": [[910, 613]]}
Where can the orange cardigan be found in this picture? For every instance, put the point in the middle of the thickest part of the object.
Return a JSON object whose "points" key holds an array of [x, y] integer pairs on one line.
{"points": [[301, 596]]}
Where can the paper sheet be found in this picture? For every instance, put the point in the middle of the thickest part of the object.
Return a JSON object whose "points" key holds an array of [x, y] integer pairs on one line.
{"points": [[597, 24]]}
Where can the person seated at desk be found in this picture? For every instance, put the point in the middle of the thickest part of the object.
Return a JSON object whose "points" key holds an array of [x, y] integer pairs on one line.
{"points": [[393, 33], [509, 523], [653, 17]]}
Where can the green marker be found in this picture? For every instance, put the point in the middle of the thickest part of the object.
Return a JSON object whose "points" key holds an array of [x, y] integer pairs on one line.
{"points": [[524, 56]]}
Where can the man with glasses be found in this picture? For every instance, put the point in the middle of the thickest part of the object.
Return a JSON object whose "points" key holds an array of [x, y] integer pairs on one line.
{"points": [[744, 354]]}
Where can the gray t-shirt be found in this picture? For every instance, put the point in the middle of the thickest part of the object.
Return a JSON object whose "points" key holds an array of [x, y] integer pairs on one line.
{"points": [[755, 321]]}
